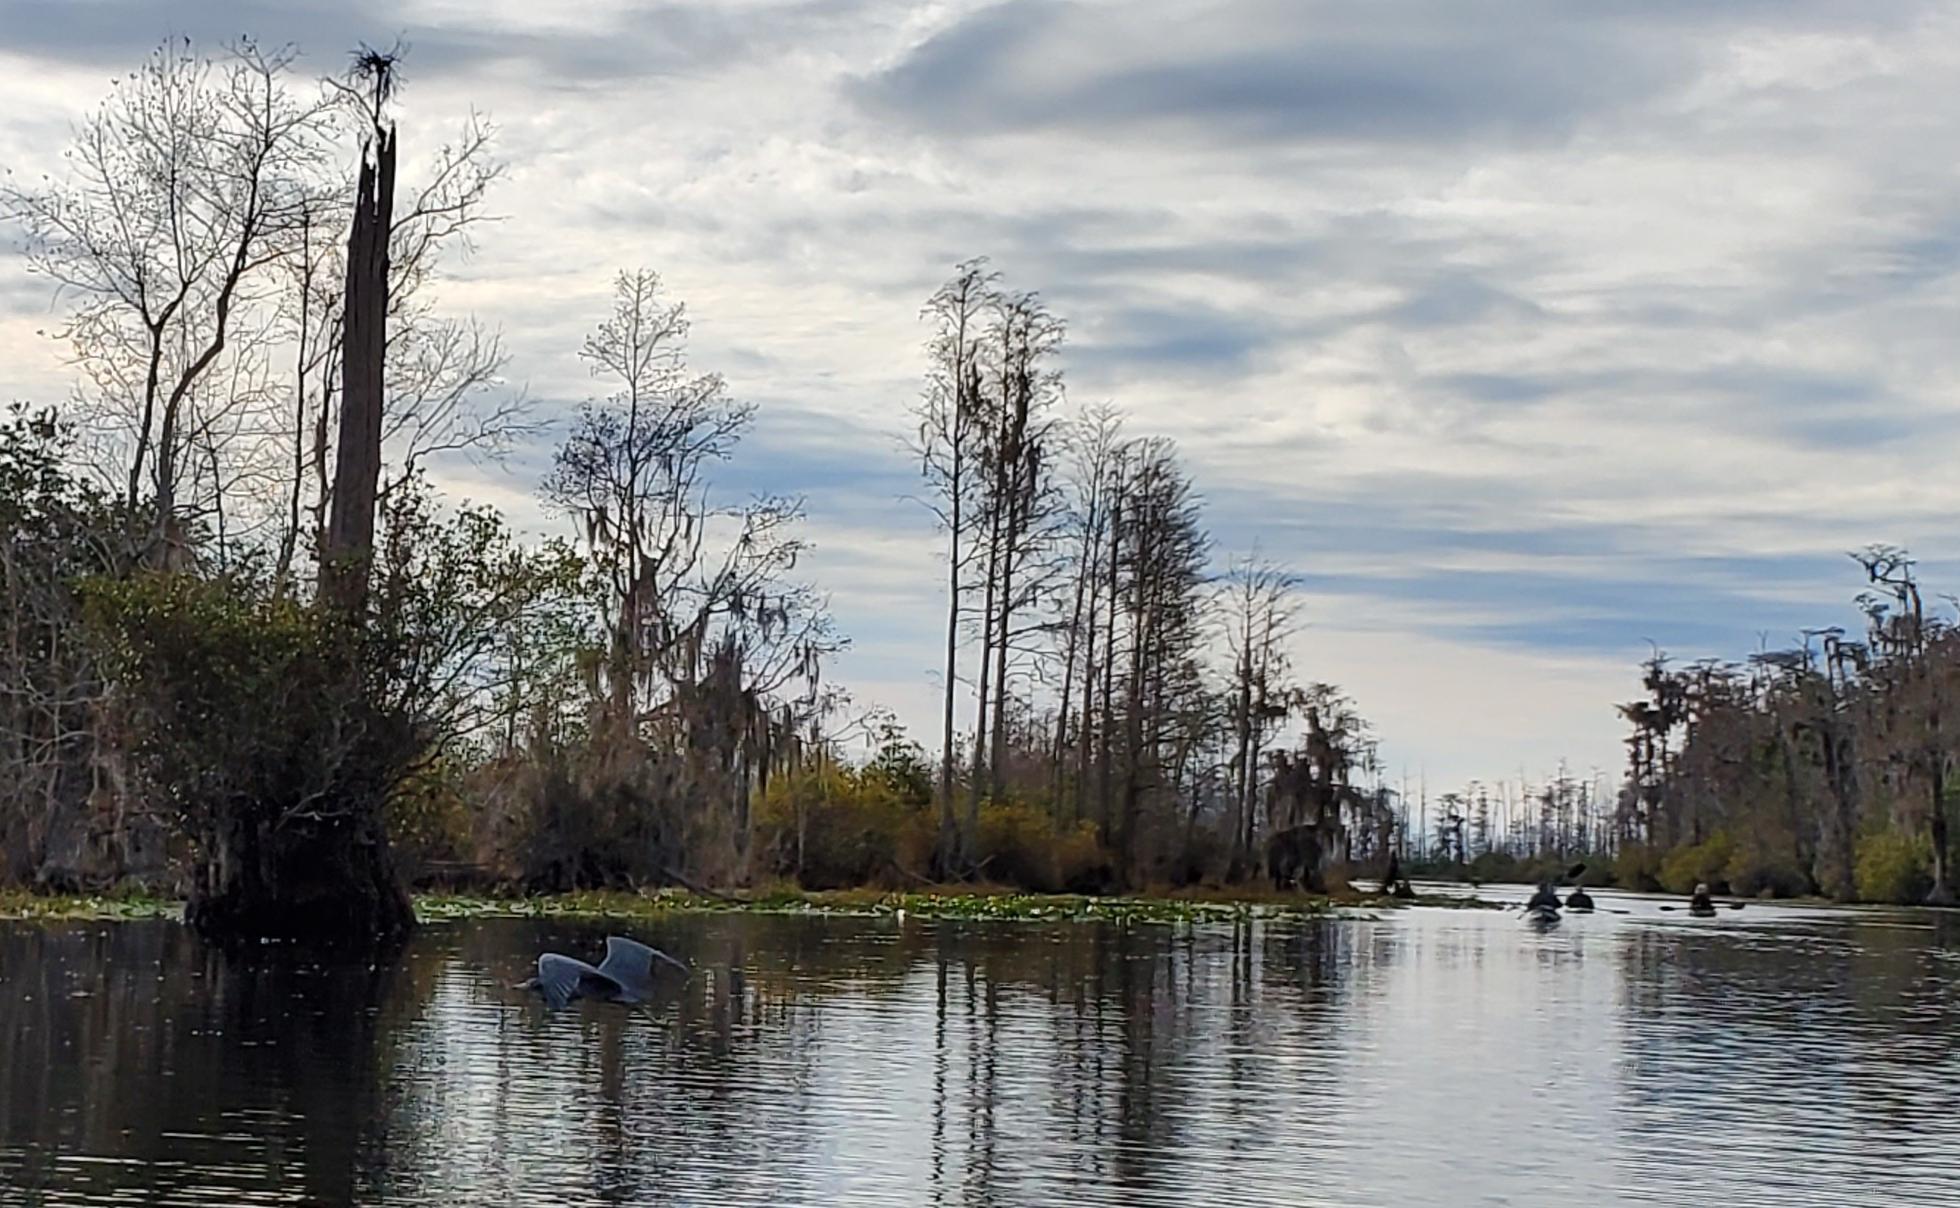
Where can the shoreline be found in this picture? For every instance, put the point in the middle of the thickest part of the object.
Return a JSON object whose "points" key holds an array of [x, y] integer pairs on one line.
{"points": [[957, 903]]}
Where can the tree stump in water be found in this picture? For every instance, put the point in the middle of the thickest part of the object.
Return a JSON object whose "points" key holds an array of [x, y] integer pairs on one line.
{"points": [[328, 882], [1295, 857]]}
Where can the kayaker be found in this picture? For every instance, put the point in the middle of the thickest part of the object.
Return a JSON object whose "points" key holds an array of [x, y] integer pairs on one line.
{"points": [[1579, 899], [1545, 899], [1702, 902]]}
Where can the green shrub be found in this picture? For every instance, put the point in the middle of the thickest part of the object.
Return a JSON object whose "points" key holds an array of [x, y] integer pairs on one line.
{"points": [[1504, 867], [1020, 845], [1494, 866], [241, 704], [1763, 866], [427, 817], [918, 843], [608, 813], [1697, 863], [1755, 875], [832, 827], [1082, 864], [1016, 846], [1638, 867], [857, 829], [1894, 867]]}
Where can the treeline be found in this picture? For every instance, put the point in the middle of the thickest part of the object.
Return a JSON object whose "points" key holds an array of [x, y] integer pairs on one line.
{"points": [[1518, 831], [1821, 768], [1818, 769], [250, 654], [1112, 705]]}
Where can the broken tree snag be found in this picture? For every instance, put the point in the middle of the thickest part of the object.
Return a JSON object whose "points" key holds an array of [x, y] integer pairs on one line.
{"points": [[357, 473]]}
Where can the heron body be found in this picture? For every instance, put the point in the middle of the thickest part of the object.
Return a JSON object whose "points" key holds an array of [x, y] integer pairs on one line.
{"points": [[626, 975]]}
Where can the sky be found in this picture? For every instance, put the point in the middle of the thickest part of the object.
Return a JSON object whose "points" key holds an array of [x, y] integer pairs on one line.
{"points": [[1527, 333]]}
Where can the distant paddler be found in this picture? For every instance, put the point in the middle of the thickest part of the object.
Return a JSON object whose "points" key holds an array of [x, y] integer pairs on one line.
{"points": [[1543, 906], [1702, 904], [1578, 899]]}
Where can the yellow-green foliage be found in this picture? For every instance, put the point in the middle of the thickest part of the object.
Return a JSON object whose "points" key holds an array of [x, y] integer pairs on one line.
{"points": [[241, 708], [1637, 867], [1763, 865], [856, 828], [1894, 867], [832, 826], [1020, 845], [1758, 864], [1695, 863]]}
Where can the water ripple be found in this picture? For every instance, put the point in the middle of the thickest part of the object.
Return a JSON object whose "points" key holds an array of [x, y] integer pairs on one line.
{"points": [[1433, 1056]]}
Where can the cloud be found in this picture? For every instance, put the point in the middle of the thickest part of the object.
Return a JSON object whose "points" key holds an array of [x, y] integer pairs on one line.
{"points": [[1277, 71], [1189, 339], [1528, 331], [605, 45]]}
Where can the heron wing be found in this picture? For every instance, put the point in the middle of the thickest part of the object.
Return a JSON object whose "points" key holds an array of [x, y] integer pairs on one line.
{"points": [[563, 978], [630, 963]]}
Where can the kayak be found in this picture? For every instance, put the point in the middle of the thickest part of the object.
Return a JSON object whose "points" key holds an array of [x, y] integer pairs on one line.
{"points": [[1541, 916], [1702, 912]]}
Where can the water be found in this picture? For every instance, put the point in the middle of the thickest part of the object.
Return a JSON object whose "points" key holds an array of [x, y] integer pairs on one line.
{"points": [[1772, 1055]]}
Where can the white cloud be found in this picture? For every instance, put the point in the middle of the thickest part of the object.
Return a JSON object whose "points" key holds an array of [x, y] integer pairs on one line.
{"points": [[1646, 301]]}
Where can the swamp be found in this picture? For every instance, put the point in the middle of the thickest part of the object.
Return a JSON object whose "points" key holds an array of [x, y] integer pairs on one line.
{"points": [[1250, 610], [1406, 1056]]}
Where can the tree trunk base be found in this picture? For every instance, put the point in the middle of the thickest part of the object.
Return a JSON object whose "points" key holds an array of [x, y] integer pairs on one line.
{"points": [[317, 886]]}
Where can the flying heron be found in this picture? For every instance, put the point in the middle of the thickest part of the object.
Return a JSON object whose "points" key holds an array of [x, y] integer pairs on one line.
{"points": [[626, 975]]}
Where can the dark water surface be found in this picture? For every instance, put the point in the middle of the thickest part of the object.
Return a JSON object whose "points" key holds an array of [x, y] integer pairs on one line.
{"points": [[1770, 1056]]}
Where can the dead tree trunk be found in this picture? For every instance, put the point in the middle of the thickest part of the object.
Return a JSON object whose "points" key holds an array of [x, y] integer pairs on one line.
{"points": [[948, 854], [980, 785], [1104, 804], [357, 472]]}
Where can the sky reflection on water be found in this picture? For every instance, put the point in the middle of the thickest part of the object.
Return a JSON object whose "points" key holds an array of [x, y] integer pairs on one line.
{"points": [[1431, 1056]]}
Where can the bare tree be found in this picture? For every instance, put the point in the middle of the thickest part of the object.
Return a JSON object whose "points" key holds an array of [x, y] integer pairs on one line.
{"points": [[1161, 550], [186, 187], [947, 446], [1023, 504], [1258, 608], [443, 374], [706, 633], [316, 289], [1093, 442], [634, 470]]}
